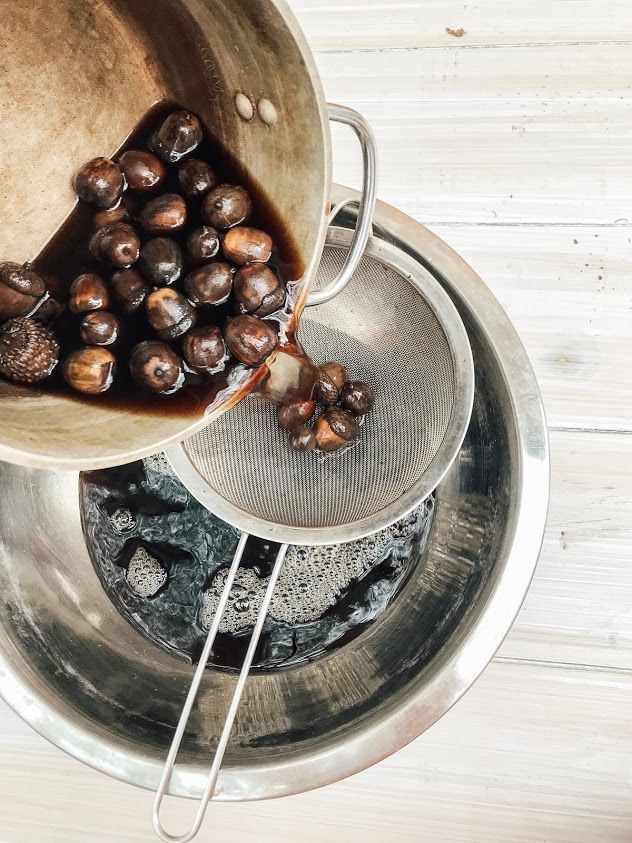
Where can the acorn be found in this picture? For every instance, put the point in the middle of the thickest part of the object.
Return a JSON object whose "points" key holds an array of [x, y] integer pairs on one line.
{"points": [[295, 413], [209, 285], [130, 289], [156, 367], [357, 397], [90, 370], [100, 182], [303, 439], [142, 170], [196, 178], [169, 313], [227, 205], [20, 290], [249, 339], [99, 328], [160, 261], [88, 292], [244, 244], [331, 378], [202, 244], [335, 429], [125, 211], [117, 245], [258, 290], [204, 349], [164, 214], [28, 350], [336, 372], [178, 135]]}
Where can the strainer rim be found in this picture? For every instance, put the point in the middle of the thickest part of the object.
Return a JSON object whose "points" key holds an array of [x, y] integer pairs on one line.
{"points": [[451, 323]]}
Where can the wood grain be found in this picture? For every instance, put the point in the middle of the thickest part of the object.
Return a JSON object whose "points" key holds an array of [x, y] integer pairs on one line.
{"points": [[514, 134], [578, 607], [366, 24], [524, 756], [568, 291]]}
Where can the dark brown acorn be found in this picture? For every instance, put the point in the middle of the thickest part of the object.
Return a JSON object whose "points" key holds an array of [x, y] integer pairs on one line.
{"points": [[244, 244], [258, 290], [90, 370], [227, 205], [249, 339], [88, 292], [169, 313], [28, 351], [295, 413], [100, 182], [331, 378], [178, 135], [124, 212], [160, 261], [99, 328], [164, 214], [116, 245], [156, 367], [357, 397], [303, 439], [204, 349], [196, 178], [335, 429], [209, 285], [130, 289], [142, 170], [20, 290], [202, 244]]}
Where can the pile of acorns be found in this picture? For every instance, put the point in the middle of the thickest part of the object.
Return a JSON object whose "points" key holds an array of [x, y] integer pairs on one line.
{"points": [[140, 263], [344, 403]]}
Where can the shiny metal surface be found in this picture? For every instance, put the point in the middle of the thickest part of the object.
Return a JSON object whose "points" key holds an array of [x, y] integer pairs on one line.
{"points": [[73, 668], [395, 328], [366, 205]]}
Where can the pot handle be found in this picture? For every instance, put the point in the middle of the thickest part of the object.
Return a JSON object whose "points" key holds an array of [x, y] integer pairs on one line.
{"points": [[213, 775], [344, 114]]}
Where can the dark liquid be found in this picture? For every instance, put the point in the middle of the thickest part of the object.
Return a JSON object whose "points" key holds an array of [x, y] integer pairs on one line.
{"points": [[143, 506], [67, 256]]}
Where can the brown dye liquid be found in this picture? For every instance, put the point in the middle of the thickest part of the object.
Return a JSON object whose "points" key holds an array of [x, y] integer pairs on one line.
{"points": [[67, 255]]}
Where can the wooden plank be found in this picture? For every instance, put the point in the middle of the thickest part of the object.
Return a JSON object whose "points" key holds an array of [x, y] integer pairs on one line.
{"points": [[364, 24], [529, 754], [579, 607], [568, 291], [520, 134]]}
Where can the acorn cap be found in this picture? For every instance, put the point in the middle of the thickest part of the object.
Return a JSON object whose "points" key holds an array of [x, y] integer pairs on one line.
{"points": [[28, 351]]}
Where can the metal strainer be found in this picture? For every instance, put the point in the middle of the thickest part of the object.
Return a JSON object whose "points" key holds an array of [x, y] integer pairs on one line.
{"points": [[394, 327]]}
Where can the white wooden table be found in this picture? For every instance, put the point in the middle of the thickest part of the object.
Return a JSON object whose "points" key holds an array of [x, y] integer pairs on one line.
{"points": [[513, 141]]}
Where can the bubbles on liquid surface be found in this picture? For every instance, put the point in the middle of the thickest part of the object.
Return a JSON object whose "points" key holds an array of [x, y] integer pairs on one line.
{"points": [[123, 520], [145, 575], [312, 580], [160, 464]]}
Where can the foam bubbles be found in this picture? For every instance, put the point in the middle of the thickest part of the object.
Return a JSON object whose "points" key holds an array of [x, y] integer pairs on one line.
{"points": [[145, 575], [160, 464], [312, 580]]}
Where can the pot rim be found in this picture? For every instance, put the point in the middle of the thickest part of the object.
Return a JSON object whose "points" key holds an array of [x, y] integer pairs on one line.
{"points": [[434, 692]]}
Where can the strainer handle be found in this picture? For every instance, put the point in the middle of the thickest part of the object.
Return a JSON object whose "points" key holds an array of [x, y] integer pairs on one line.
{"points": [[344, 114], [234, 703]]}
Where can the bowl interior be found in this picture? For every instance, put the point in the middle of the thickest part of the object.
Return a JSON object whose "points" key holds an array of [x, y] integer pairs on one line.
{"points": [[77, 77], [64, 640]]}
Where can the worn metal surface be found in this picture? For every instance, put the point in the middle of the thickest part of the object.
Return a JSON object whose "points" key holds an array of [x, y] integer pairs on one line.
{"points": [[76, 78]]}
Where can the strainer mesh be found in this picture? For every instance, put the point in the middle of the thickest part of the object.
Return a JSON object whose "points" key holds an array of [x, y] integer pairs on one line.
{"points": [[386, 334]]}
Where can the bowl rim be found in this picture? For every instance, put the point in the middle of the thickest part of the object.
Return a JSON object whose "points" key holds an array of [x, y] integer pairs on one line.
{"points": [[468, 654]]}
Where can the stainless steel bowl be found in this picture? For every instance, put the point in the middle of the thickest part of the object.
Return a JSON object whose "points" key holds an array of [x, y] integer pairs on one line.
{"points": [[73, 668]]}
